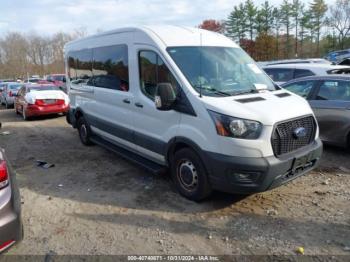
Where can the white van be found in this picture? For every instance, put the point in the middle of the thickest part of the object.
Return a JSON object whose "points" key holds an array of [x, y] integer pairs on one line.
{"points": [[190, 101]]}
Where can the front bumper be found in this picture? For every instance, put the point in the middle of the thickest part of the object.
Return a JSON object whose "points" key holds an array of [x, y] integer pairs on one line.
{"points": [[10, 215], [34, 110], [246, 175]]}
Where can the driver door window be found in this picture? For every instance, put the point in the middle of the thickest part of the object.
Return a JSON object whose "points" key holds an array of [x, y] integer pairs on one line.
{"points": [[152, 72]]}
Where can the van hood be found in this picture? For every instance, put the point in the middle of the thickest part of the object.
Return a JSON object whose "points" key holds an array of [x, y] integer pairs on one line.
{"points": [[266, 107]]}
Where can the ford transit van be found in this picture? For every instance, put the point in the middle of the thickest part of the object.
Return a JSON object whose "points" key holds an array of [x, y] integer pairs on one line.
{"points": [[191, 102]]}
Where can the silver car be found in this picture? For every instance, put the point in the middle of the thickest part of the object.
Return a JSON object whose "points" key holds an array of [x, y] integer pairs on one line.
{"points": [[9, 93], [10, 206]]}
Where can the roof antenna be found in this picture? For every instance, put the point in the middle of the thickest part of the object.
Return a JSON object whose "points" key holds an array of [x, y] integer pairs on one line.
{"points": [[200, 64]]}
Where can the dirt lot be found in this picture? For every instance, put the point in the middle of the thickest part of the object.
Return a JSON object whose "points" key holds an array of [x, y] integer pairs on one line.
{"points": [[94, 202]]}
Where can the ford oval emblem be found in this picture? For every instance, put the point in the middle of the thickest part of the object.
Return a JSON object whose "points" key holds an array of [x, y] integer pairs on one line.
{"points": [[299, 132]]}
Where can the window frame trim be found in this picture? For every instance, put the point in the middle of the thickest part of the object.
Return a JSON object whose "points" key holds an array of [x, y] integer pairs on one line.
{"points": [[156, 51]]}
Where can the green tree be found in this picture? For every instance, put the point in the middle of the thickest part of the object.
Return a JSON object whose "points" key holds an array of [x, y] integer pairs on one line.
{"points": [[236, 23], [277, 26], [266, 17], [303, 32], [297, 10], [251, 13], [286, 12], [318, 9]]}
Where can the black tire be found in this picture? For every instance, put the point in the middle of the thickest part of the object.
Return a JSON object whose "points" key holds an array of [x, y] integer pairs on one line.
{"points": [[189, 175], [84, 131], [6, 105]]}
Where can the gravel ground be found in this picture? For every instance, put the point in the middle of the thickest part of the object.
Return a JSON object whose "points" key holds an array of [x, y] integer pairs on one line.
{"points": [[94, 202]]}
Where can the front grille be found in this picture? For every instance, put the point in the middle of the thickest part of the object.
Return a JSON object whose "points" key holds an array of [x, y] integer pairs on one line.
{"points": [[284, 140]]}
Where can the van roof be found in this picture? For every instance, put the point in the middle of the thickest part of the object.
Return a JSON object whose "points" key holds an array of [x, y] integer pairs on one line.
{"points": [[170, 35]]}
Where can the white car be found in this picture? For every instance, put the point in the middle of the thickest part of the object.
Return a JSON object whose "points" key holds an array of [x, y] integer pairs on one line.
{"points": [[192, 102], [283, 73]]}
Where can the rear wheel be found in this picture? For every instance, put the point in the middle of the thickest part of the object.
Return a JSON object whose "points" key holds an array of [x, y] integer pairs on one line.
{"points": [[84, 131], [189, 175]]}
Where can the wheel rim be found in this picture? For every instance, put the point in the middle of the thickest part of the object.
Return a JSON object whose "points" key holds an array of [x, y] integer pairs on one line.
{"points": [[187, 175], [83, 132]]}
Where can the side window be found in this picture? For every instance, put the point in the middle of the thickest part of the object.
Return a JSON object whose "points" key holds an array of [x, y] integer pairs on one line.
{"points": [[280, 74], [83, 66], [152, 72], [334, 90], [80, 66], [72, 67], [302, 73], [300, 88], [110, 67]]}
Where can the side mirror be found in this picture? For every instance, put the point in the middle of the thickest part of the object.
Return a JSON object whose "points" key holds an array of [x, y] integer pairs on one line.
{"points": [[165, 96]]}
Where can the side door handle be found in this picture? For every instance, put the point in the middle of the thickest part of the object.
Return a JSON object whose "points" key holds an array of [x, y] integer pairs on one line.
{"points": [[126, 101], [139, 104]]}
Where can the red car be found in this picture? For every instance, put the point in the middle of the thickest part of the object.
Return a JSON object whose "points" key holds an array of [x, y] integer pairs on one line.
{"points": [[36, 99], [58, 80]]}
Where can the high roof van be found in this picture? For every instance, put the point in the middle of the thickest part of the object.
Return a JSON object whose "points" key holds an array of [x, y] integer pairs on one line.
{"points": [[190, 102]]}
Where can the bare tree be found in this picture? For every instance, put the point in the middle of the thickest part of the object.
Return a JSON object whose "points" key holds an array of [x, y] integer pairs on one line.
{"points": [[339, 19]]}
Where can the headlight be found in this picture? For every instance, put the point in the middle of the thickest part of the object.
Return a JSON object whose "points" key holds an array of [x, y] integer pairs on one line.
{"points": [[236, 127]]}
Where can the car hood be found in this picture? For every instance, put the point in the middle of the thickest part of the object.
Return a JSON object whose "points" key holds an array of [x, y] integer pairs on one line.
{"points": [[46, 94], [267, 107]]}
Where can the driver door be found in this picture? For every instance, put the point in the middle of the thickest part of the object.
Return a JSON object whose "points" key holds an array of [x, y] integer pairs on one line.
{"points": [[153, 128]]}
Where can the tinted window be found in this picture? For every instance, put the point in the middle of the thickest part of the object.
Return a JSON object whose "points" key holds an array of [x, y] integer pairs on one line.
{"points": [[302, 73], [80, 66], [152, 72], [280, 74], [110, 67], [334, 90], [300, 88]]}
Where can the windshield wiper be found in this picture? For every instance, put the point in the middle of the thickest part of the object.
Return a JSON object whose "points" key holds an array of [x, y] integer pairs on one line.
{"points": [[215, 91], [251, 91]]}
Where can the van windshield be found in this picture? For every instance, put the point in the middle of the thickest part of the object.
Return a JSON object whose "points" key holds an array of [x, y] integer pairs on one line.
{"points": [[220, 71]]}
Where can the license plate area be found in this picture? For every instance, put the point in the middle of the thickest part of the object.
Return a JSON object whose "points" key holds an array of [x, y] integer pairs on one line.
{"points": [[302, 163], [49, 101]]}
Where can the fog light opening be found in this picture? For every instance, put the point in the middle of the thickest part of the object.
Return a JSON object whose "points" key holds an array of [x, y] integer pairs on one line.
{"points": [[246, 177]]}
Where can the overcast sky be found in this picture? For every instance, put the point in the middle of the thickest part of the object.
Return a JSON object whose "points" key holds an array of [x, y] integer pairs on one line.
{"points": [[50, 16]]}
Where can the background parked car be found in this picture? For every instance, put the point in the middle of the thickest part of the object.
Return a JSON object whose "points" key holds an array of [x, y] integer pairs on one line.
{"points": [[9, 92], [296, 61], [337, 56], [329, 97], [58, 80], [35, 100], [10, 206], [285, 72]]}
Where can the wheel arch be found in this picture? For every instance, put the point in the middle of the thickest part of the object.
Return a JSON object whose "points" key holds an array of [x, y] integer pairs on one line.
{"points": [[178, 143]]}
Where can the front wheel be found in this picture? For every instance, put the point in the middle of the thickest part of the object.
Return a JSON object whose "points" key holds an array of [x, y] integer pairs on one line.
{"points": [[189, 175], [84, 131]]}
